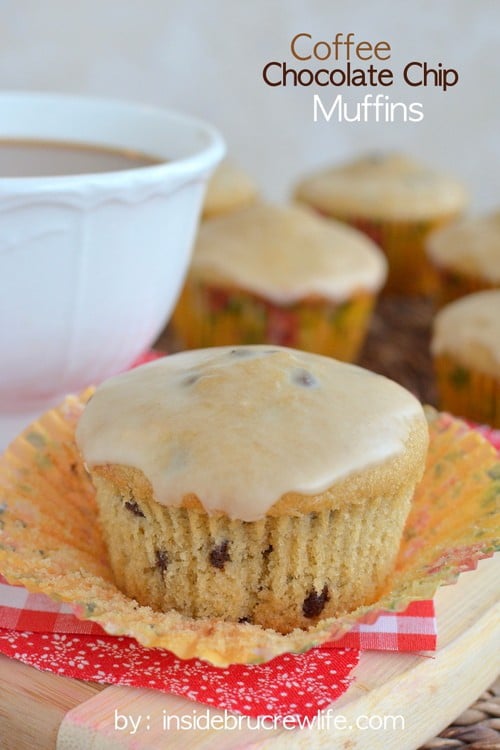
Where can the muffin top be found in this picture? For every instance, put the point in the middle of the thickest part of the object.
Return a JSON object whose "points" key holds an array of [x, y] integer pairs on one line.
{"points": [[469, 330], [471, 246], [229, 189], [244, 430], [287, 253], [383, 186]]}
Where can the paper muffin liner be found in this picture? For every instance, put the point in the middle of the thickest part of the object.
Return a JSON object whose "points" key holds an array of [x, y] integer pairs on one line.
{"points": [[454, 284], [205, 565], [403, 242], [207, 315], [462, 390], [50, 541]]}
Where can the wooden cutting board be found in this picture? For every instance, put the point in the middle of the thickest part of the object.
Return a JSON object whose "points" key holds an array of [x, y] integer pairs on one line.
{"points": [[415, 695]]}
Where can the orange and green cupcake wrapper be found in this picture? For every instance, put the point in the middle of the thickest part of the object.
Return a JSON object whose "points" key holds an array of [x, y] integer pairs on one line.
{"points": [[466, 392], [455, 284], [207, 315]]}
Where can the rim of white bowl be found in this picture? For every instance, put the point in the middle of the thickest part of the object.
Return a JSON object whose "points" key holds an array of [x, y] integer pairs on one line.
{"points": [[207, 150]]}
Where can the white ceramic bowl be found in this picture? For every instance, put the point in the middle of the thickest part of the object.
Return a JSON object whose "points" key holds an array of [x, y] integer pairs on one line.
{"points": [[91, 265]]}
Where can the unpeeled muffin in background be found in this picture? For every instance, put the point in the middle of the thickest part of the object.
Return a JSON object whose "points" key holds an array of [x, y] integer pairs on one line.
{"points": [[466, 256], [397, 202], [280, 275], [466, 350], [229, 189], [253, 484]]}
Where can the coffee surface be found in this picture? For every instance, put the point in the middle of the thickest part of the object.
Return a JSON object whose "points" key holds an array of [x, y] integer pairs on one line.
{"points": [[26, 158]]}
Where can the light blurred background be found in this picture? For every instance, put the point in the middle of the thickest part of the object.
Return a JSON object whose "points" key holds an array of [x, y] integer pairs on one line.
{"points": [[207, 57]]}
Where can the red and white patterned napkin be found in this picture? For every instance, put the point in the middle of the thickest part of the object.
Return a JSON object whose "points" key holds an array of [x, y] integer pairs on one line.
{"points": [[47, 635], [411, 630]]}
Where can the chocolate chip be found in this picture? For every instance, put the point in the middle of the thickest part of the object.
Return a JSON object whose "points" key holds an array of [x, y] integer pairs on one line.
{"points": [[132, 506], [162, 559], [314, 603], [219, 555], [267, 551], [304, 378], [191, 379], [244, 619]]}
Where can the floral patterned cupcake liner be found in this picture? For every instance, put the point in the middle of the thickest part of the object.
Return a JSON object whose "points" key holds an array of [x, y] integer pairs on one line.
{"points": [[217, 316], [50, 541]]}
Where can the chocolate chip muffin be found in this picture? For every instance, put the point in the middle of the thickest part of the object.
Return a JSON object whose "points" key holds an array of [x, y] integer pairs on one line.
{"points": [[396, 201], [280, 275], [253, 484], [466, 350], [229, 189], [466, 256]]}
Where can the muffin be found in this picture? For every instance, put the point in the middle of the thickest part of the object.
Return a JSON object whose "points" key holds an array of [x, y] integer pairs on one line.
{"points": [[280, 275], [397, 202], [466, 350], [253, 484], [466, 256], [229, 189]]}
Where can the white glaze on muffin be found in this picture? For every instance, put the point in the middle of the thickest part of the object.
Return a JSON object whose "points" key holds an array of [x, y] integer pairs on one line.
{"points": [[471, 246], [229, 189], [469, 330], [242, 428], [287, 253], [383, 186]]}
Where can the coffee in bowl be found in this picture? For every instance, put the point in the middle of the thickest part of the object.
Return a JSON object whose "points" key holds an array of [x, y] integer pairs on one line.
{"points": [[40, 158]]}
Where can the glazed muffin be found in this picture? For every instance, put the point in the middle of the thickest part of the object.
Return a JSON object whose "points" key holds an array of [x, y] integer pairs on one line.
{"points": [[466, 256], [397, 202], [253, 484], [280, 275], [466, 350], [229, 189]]}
